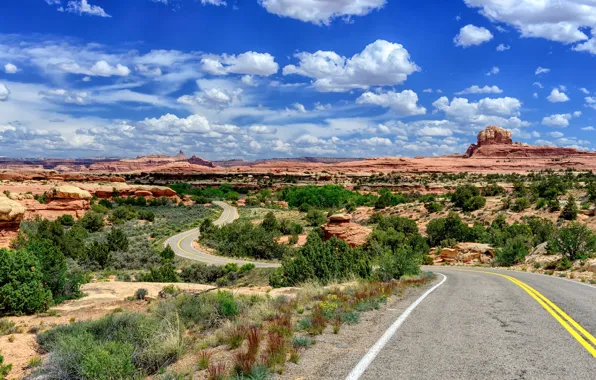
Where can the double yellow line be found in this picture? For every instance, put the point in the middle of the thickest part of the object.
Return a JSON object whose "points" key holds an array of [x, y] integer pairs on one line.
{"points": [[572, 327]]}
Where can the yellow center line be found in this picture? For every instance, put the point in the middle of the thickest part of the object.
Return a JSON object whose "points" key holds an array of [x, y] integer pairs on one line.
{"points": [[191, 233], [553, 310]]}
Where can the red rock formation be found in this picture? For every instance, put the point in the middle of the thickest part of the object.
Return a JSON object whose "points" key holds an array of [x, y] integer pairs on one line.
{"points": [[492, 135], [194, 160], [341, 227]]}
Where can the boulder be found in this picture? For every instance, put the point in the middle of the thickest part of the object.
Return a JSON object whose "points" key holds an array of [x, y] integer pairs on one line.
{"points": [[352, 233], [494, 135], [591, 265], [467, 253], [11, 211], [539, 255], [69, 192]]}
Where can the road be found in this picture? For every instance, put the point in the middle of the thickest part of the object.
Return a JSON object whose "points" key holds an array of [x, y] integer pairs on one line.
{"points": [[479, 325], [183, 247]]}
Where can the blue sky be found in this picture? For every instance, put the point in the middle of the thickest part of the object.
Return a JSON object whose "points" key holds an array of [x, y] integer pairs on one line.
{"points": [[282, 78]]}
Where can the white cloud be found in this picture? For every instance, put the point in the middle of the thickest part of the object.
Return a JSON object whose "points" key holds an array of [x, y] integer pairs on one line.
{"points": [[9, 68], [541, 70], [589, 128], [480, 90], [555, 20], [535, 95], [213, 98], [321, 12], [100, 68], [577, 113], [477, 115], [63, 96], [262, 130], [557, 97], [494, 71], [376, 141], [588, 46], [435, 131], [471, 35], [249, 63], [503, 47], [4, 92], [83, 7], [248, 80], [590, 102], [214, 2], [538, 84], [299, 107], [403, 103], [429, 90], [584, 90], [558, 120], [556, 134], [380, 63], [322, 107]]}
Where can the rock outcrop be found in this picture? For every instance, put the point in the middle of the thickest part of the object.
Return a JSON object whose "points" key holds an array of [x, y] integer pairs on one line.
{"points": [[11, 212], [340, 226], [492, 135], [466, 253], [69, 192], [194, 160]]}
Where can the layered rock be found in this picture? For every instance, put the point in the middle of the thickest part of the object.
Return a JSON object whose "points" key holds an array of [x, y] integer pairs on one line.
{"points": [[194, 160], [69, 192], [340, 226], [11, 212], [465, 253]]}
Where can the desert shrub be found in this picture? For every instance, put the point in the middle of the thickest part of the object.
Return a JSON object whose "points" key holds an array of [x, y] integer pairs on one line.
{"points": [[450, 227], [468, 198], [492, 190], [574, 241], [99, 253], [147, 215], [289, 227], [6, 326], [553, 205], [270, 222], [122, 214], [247, 268], [433, 207], [520, 204], [375, 218], [244, 239], [387, 199], [118, 345], [117, 240], [163, 273], [514, 251], [21, 283], [315, 218], [328, 196], [141, 293], [541, 203], [394, 264], [570, 210], [106, 203], [542, 229], [92, 221], [323, 261], [549, 187], [4, 368], [66, 220], [201, 274]]}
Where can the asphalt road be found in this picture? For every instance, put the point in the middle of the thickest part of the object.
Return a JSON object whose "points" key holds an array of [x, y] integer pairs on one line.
{"points": [[183, 247], [484, 326]]}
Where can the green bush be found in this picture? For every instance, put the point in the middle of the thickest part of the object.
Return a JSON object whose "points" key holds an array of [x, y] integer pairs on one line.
{"points": [[328, 196], [228, 307], [146, 215], [247, 267], [433, 207], [574, 241], [4, 368], [520, 204], [66, 220], [450, 227], [570, 210], [22, 290], [315, 218], [515, 251], [141, 293], [492, 190], [289, 227], [387, 199], [323, 261], [270, 222], [468, 198], [92, 221], [394, 264], [117, 240], [201, 273]]}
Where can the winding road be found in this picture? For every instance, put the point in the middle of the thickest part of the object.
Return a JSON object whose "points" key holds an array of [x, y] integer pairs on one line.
{"points": [[488, 324], [183, 247]]}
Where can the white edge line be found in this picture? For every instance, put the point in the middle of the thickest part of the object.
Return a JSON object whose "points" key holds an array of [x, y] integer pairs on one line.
{"points": [[374, 350]]}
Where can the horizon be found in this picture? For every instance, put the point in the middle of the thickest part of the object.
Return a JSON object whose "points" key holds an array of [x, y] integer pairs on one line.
{"points": [[284, 79]]}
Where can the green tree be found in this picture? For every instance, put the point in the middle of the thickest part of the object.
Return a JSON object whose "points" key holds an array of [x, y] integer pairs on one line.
{"points": [[574, 241], [92, 221], [99, 253], [270, 222], [450, 227], [117, 240], [315, 218], [21, 283], [570, 210], [66, 220], [468, 198], [514, 251]]}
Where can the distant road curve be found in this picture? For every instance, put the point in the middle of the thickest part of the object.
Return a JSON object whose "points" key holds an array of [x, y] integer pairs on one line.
{"points": [[183, 247]]}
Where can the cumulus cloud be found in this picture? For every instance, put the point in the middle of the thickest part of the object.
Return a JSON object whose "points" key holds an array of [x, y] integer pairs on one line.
{"points": [[248, 80], [321, 12], [249, 63], [462, 107], [556, 134], [83, 7], [588, 46], [541, 70], [589, 128], [590, 102], [435, 131], [403, 103], [557, 96], [9, 68], [480, 90], [494, 71], [214, 98], [557, 120], [471, 35], [503, 47], [380, 63], [585, 91], [560, 21], [217, 3], [100, 69], [262, 130], [4, 92]]}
